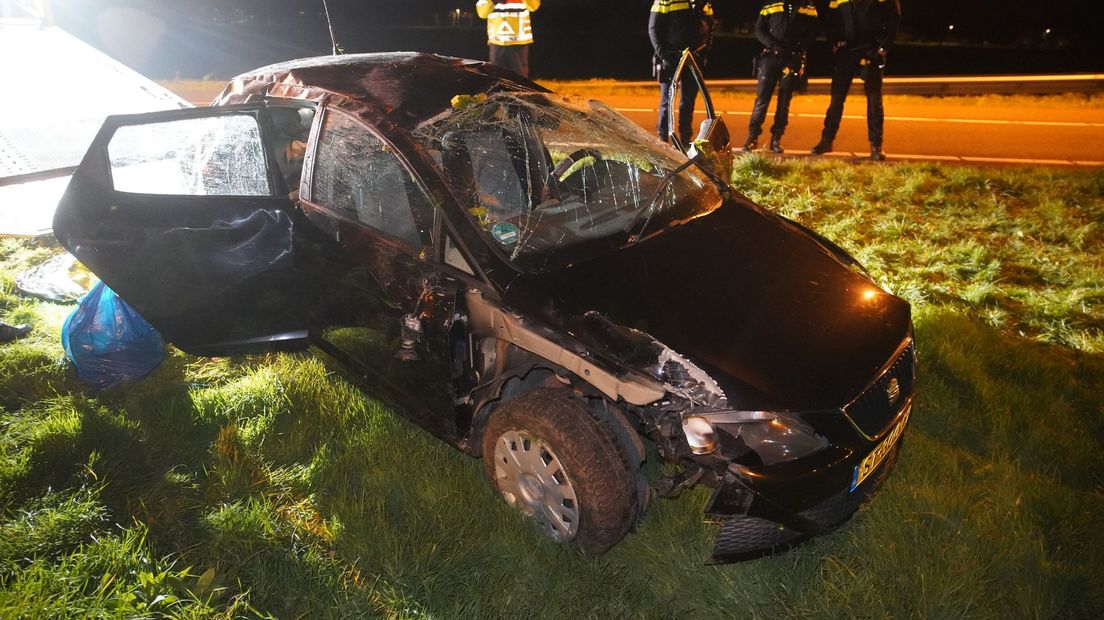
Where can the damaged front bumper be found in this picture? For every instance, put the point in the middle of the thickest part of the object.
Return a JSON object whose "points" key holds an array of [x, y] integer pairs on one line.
{"points": [[770, 508]]}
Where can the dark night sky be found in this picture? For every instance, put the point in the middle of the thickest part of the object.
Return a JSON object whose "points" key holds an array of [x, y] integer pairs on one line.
{"points": [[575, 38], [976, 20]]}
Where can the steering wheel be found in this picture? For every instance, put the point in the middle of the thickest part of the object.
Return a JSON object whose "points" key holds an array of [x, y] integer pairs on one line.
{"points": [[561, 168]]}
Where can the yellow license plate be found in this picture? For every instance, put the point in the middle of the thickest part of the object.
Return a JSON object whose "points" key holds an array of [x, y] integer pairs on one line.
{"points": [[880, 452]]}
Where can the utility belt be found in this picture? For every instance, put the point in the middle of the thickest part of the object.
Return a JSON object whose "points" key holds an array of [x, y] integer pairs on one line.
{"points": [[793, 68], [871, 68], [871, 63]]}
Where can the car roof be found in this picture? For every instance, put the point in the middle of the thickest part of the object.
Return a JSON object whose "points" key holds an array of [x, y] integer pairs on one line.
{"points": [[406, 88]]}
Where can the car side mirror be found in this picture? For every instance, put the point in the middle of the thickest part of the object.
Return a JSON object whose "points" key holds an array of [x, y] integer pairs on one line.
{"points": [[715, 132], [713, 144]]}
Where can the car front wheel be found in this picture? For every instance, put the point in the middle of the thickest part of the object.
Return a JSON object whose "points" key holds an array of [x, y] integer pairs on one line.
{"points": [[547, 455]]}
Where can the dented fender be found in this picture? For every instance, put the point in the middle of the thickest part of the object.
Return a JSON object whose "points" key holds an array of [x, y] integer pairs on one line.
{"points": [[489, 320]]}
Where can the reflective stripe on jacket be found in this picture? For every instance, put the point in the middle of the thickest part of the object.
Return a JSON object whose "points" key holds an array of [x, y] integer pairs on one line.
{"points": [[670, 6], [674, 25], [787, 24], [508, 22]]}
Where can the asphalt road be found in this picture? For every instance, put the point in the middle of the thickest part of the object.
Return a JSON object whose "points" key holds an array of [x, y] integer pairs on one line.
{"points": [[939, 129], [968, 129]]}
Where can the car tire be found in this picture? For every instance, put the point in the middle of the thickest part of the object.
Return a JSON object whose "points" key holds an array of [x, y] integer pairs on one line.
{"points": [[549, 456]]}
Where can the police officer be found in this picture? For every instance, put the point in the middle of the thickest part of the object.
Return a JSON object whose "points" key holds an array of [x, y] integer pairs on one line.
{"points": [[674, 26], [509, 32], [785, 28], [861, 32]]}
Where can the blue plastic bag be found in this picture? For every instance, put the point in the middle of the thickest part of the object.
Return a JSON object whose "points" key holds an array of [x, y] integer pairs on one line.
{"points": [[108, 341]]}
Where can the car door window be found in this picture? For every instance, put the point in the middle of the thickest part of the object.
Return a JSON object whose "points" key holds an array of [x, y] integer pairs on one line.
{"points": [[359, 176], [455, 258], [213, 156], [291, 130]]}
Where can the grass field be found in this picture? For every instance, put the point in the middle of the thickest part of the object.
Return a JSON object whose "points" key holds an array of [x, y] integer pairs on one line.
{"points": [[268, 486]]}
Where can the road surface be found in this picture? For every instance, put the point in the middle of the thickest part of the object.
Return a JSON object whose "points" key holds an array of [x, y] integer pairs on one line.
{"points": [[1046, 131], [929, 129]]}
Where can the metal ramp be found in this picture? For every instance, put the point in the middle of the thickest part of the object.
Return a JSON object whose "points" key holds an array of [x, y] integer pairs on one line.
{"points": [[56, 91]]}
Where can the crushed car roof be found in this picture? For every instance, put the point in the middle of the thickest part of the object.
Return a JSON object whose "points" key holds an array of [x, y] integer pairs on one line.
{"points": [[407, 88]]}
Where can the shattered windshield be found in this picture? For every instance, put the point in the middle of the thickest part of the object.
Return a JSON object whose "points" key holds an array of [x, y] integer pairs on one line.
{"points": [[553, 180]]}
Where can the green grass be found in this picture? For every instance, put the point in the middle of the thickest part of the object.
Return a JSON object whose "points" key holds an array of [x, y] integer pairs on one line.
{"points": [[267, 486]]}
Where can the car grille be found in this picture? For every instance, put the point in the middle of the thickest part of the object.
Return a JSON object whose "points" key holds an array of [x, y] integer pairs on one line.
{"points": [[740, 536], [871, 411], [743, 537]]}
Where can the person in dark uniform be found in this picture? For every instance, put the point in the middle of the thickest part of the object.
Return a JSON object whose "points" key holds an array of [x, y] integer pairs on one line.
{"points": [[785, 28], [674, 26], [861, 32], [509, 32]]}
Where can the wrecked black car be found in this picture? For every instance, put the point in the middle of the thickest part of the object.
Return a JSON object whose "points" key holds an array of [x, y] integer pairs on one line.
{"points": [[530, 277]]}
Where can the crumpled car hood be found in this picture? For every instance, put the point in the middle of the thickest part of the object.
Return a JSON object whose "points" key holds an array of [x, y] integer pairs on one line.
{"points": [[778, 319], [405, 88]]}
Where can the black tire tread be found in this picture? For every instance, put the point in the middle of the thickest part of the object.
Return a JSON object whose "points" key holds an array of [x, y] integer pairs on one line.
{"points": [[590, 452]]}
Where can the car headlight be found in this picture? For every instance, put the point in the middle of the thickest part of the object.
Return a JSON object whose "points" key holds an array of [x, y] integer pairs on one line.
{"points": [[776, 437], [699, 434]]}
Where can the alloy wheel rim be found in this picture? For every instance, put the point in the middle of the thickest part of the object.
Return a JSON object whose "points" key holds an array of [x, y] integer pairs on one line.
{"points": [[531, 478]]}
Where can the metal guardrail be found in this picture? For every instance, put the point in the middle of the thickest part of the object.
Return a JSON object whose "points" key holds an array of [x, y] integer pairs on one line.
{"points": [[941, 85]]}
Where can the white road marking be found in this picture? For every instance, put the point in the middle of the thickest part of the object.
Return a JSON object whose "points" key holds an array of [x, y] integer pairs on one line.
{"points": [[931, 157], [909, 119], [969, 159], [1076, 78], [987, 121], [955, 158]]}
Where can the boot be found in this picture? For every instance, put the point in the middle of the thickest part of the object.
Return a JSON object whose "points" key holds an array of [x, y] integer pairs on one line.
{"points": [[750, 144], [776, 144], [11, 332], [876, 153], [822, 147]]}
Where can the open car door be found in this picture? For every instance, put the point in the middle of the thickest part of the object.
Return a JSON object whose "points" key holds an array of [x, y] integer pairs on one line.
{"points": [[186, 214], [712, 129]]}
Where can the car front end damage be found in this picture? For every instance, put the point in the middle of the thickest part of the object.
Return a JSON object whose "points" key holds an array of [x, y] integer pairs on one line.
{"points": [[786, 373], [779, 477]]}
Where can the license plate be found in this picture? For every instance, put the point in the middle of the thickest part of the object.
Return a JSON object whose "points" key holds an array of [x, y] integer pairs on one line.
{"points": [[879, 453]]}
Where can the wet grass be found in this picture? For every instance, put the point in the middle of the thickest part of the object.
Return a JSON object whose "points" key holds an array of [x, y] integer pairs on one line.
{"points": [[267, 486]]}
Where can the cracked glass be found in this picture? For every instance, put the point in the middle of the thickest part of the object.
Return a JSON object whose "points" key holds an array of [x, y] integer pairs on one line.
{"points": [[359, 176], [218, 156], [552, 180]]}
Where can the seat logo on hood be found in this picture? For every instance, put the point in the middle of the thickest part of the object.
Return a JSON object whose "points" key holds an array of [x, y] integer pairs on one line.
{"points": [[893, 391]]}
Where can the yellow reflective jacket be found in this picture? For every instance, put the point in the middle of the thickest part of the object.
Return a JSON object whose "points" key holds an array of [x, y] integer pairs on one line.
{"points": [[507, 22]]}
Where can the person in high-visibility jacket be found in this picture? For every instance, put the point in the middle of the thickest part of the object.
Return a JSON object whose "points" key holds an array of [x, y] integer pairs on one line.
{"points": [[674, 26], [509, 32], [860, 32], [785, 28]]}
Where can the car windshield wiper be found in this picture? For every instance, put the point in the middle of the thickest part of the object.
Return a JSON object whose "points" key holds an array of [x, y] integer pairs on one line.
{"points": [[649, 211]]}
